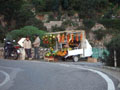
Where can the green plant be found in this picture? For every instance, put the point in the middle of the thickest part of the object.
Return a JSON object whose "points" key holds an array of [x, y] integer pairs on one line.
{"points": [[110, 23], [25, 31], [88, 24], [113, 45], [56, 29], [99, 34], [36, 23], [2, 33]]}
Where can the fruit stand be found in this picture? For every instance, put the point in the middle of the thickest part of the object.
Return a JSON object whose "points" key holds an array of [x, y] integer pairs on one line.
{"points": [[66, 44]]}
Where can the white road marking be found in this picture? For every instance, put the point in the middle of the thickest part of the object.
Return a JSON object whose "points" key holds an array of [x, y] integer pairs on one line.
{"points": [[110, 83], [7, 78]]}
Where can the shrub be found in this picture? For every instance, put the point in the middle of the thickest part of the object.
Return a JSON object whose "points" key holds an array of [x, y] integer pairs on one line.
{"points": [[36, 23], [56, 29], [88, 23], [69, 23], [99, 34], [2, 33], [25, 31], [114, 44], [110, 23]]}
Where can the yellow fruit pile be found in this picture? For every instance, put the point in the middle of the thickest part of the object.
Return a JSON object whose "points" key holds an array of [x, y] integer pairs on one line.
{"points": [[62, 53]]}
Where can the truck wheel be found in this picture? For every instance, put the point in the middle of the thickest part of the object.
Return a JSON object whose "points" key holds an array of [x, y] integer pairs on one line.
{"points": [[75, 58]]}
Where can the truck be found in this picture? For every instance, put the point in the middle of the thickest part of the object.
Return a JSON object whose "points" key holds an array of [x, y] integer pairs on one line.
{"points": [[74, 39]]}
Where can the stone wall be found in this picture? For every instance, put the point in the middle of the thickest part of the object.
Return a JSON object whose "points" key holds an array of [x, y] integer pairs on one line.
{"points": [[42, 52], [1, 53], [53, 23]]}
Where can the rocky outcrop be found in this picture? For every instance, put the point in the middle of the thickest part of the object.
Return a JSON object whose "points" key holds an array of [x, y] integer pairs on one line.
{"points": [[98, 27], [94, 41], [53, 23]]}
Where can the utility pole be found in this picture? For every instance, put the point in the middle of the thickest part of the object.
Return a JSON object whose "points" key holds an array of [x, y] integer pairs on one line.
{"points": [[115, 59]]}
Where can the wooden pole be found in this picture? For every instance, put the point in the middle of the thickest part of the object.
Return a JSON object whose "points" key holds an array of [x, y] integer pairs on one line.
{"points": [[115, 59]]}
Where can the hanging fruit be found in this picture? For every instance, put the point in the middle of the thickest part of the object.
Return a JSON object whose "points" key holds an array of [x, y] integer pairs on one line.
{"points": [[77, 37], [68, 38], [63, 37], [81, 36], [58, 37], [72, 37]]}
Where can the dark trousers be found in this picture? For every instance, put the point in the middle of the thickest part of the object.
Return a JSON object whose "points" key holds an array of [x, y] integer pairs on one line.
{"points": [[36, 53], [28, 52]]}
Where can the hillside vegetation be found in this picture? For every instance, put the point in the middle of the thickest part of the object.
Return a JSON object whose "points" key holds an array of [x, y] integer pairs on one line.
{"points": [[18, 16]]}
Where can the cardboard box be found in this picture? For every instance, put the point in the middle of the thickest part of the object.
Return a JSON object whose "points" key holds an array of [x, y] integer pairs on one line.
{"points": [[48, 59], [92, 60]]}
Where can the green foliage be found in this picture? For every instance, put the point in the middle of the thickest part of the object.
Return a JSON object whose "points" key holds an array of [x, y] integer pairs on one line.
{"points": [[36, 23], [3, 31], [88, 23], [56, 29], [99, 34], [88, 8], [26, 31], [69, 23], [114, 44], [10, 8], [110, 23], [17, 10], [39, 5], [24, 15], [115, 2]]}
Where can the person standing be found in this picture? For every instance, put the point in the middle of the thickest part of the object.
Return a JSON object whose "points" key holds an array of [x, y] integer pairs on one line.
{"points": [[36, 45], [27, 46]]}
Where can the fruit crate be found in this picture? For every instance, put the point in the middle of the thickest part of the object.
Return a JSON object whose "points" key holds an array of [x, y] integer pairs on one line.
{"points": [[49, 59]]}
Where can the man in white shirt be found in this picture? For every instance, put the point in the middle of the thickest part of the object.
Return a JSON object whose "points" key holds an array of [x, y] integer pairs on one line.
{"points": [[36, 45], [27, 46]]}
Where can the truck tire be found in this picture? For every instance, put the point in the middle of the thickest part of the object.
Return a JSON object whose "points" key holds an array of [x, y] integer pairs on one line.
{"points": [[75, 58]]}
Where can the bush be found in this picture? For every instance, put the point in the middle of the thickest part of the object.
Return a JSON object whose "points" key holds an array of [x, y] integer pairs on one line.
{"points": [[88, 23], [110, 23], [25, 31], [36, 23], [99, 34], [56, 29], [114, 44], [69, 23]]}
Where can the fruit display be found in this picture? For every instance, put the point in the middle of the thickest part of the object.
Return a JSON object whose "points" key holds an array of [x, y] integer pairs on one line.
{"points": [[48, 54], [49, 40], [61, 53], [61, 42]]}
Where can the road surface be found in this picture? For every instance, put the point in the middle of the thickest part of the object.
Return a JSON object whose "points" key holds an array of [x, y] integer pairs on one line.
{"points": [[35, 75]]}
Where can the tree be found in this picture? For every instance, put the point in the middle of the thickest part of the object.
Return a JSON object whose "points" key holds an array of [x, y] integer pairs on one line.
{"points": [[10, 8], [88, 8], [114, 44], [24, 14], [39, 5], [36, 23], [115, 2], [3, 31], [25, 31], [15, 10]]}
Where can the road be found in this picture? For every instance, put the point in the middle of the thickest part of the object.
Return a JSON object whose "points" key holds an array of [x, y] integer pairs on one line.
{"points": [[35, 75]]}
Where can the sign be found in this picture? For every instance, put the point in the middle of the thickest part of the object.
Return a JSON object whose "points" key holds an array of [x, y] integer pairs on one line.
{"points": [[20, 42]]}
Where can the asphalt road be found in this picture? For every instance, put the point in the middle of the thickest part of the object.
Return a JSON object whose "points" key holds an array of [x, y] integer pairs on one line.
{"points": [[27, 75]]}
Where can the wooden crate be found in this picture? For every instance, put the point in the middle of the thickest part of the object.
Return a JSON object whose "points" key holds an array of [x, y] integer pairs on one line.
{"points": [[48, 59], [92, 60]]}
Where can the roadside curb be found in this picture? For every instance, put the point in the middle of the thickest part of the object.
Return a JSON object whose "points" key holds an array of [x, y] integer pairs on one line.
{"points": [[112, 68]]}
